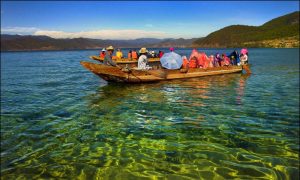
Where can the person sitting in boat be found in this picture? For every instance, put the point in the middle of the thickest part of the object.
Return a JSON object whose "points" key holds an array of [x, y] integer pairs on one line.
{"points": [[129, 56], [225, 60], [152, 54], [202, 60], [108, 57], [211, 61], [160, 54], [102, 53], [234, 57], [143, 60], [185, 62], [119, 54], [134, 54], [149, 54], [217, 60], [193, 63]]}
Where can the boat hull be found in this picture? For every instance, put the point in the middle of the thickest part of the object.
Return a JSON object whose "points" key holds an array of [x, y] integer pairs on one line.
{"points": [[110, 73]]}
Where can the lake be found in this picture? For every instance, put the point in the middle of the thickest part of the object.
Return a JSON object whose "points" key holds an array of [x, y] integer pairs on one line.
{"points": [[59, 120]]}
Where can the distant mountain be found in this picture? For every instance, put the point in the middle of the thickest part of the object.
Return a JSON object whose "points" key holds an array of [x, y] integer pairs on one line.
{"points": [[20, 43], [27, 43], [279, 32], [180, 43]]}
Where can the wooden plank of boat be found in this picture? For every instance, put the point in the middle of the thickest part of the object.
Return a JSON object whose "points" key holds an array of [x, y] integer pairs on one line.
{"points": [[111, 73], [124, 60]]}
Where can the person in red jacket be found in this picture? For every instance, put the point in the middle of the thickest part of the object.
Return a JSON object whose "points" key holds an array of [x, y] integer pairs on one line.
{"points": [[226, 60], [193, 62], [160, 54], [102, 53], [185, 62]]}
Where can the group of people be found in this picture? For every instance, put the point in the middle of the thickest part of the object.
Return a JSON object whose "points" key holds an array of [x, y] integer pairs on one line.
{"points": [[196, 59], [132, 54], [201, 60], [142, 57]]}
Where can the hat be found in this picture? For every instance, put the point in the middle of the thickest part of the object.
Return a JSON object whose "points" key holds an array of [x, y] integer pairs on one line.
{"points": [[171, 49], [103, 50], [109, 48], [143, 50]]}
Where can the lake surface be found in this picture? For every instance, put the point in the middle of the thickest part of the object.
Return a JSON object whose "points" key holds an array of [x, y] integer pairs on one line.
{"points": [[58, 120]]}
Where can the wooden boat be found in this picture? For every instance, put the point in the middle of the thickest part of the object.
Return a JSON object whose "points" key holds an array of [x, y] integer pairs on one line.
{"points": [[133, 75], [129, 62]]}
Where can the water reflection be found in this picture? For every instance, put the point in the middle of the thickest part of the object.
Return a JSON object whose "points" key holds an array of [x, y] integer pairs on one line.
{"points": [[169, 91], [173, 100], [159, 110], [241, 88]]}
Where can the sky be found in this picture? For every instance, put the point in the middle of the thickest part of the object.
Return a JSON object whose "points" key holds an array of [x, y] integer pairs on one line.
{"points": [[135, 19]]}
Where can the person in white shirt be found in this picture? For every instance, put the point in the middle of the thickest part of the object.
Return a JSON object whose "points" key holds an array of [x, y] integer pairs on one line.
{"points": [[143, 60], [244, 59]]}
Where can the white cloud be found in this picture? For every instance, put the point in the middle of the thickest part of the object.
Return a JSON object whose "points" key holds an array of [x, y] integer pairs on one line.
{"points": [[105, 34], [97, 34], [19, 30]]}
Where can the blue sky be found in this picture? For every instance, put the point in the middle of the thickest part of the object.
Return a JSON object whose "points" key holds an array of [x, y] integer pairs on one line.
{"points": [[134, 19]]}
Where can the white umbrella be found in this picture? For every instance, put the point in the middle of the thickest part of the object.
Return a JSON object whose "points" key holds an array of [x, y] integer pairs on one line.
{"points": [[171, 60]]}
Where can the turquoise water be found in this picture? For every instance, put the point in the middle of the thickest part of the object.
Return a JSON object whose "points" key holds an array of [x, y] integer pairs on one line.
{"points": [[60, 121]]}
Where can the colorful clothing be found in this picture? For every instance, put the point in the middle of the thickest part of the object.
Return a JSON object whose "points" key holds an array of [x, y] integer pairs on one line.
{"points": [[119, 54]]}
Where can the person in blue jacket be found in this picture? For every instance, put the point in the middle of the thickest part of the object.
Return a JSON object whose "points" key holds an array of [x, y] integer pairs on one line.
{"points": [[234, 57]]}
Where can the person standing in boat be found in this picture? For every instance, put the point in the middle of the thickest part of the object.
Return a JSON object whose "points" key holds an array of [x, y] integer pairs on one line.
{"points": [[244, 57], [108, 57], [143, 60], [102, 54]]}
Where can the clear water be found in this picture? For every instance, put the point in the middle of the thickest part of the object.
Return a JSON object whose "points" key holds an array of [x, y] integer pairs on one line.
{"points": [[60, 121]]}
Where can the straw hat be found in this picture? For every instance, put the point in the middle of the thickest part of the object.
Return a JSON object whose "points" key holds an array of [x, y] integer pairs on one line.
{"points": [[103, 50], [143, 50], [109, 48]]}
